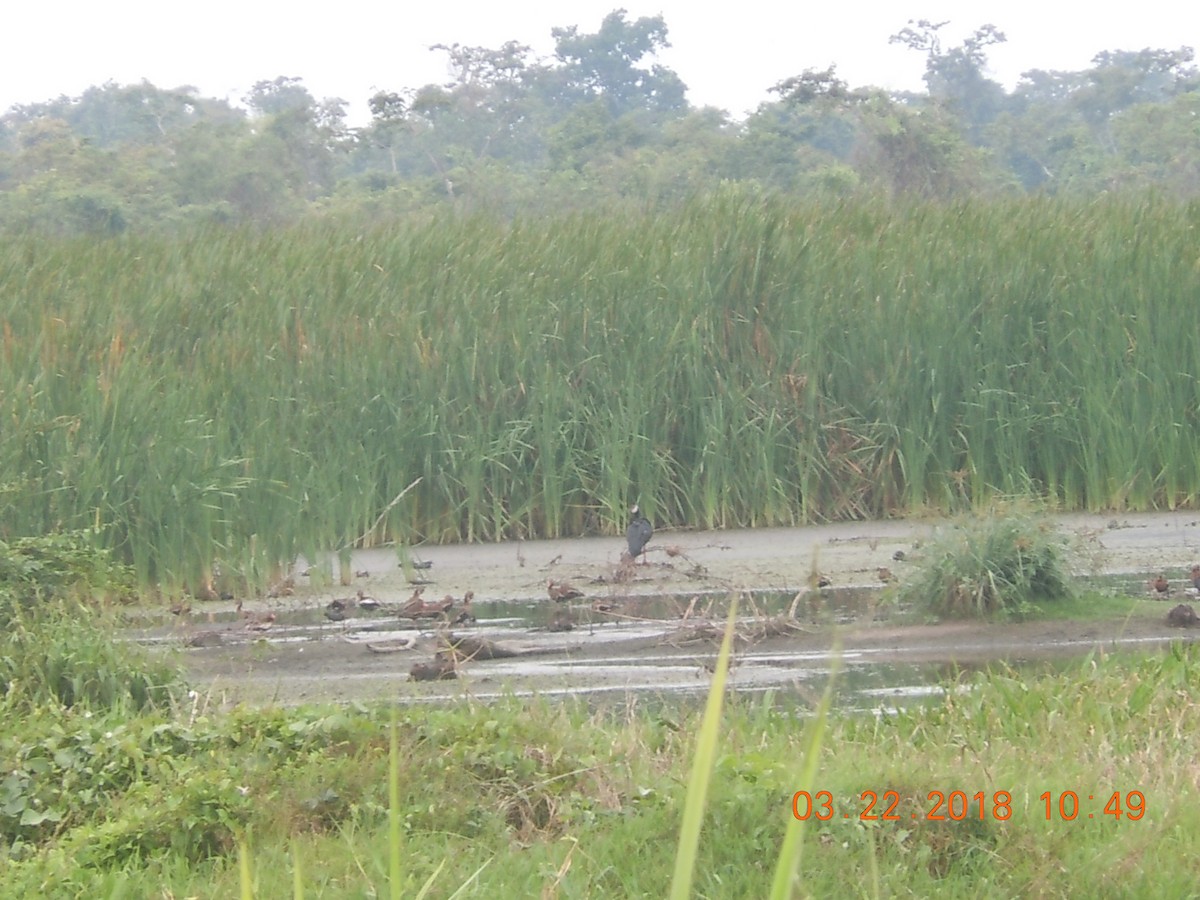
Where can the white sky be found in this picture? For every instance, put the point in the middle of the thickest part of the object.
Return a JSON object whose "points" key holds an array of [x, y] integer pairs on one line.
{"points": [[352, 48]]}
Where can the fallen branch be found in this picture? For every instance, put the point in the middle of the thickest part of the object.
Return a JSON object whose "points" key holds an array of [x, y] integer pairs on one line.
{"points": [[469, 648]]}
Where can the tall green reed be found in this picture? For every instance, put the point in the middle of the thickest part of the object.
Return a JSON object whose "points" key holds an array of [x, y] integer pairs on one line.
{"points": [[229, 398]]}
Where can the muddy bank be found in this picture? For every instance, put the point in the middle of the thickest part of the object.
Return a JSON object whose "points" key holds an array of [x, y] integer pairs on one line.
{"points": [[637, 645], [651, 657], [777, 559]]}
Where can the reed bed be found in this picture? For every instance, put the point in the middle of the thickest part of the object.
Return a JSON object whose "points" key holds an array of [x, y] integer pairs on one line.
{"points": [[231, 398]]}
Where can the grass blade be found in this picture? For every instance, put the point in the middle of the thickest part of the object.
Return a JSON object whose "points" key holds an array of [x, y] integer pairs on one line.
{"points": [[702, 767], [788, 864]]}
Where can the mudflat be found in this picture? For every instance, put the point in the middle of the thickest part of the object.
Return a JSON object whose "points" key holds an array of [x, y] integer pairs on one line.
{"points": [[651, 627]]}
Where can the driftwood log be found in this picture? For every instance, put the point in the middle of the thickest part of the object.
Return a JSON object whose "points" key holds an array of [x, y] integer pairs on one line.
{"points": [[392, 646], [478, 648]]}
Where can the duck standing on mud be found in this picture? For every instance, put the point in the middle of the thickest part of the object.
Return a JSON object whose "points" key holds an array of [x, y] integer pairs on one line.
{"points": [[638, 534]]}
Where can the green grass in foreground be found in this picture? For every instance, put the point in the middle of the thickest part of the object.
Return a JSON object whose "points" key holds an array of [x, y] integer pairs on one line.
{"points": [[529, 798]]}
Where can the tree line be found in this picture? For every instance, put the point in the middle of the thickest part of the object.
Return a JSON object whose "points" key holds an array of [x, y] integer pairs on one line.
{"points": [[601, 121]]}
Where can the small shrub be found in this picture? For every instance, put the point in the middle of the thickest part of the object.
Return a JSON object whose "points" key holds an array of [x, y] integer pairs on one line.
{"points": [[997, 563], [37, 570]]}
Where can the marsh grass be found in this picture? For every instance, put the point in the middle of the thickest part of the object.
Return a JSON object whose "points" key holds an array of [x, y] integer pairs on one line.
{"points": [[1008, 560], [221, 401]]}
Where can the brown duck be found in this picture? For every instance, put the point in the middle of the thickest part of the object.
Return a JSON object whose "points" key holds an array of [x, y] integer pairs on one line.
{"points": [[256, 621], [260, 622], [440, 668], [465, 615], [417, 608], [561, 592]]}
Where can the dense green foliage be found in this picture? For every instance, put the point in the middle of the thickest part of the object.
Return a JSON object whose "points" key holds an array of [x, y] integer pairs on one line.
{"points": [[56, 646], [48, 568], [232, 397], [1002, 562], [547, 795], [602, 120]]}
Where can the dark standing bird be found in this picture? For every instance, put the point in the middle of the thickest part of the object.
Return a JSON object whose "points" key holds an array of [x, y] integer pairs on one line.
{"points": [[1196, 577], [638, 534], [1161, 585]]}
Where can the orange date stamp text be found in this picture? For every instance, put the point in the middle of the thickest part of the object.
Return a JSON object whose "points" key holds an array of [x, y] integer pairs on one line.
{"points": [[955, 806]]}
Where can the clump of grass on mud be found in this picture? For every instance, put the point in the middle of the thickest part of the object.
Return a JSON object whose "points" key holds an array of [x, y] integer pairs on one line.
{"points": [[1003, 561]]}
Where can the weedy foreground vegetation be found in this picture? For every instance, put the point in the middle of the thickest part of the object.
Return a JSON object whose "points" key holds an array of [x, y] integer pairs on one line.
{"points": [[150, 792], [226, 399]]}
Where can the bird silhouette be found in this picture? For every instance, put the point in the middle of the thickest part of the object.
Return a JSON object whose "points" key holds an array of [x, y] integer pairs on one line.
{"points": [[638, 534], [1161, 585]]}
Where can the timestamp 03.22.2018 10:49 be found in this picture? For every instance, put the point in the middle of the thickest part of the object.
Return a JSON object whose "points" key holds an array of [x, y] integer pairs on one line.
{"points": [[955, 806]]}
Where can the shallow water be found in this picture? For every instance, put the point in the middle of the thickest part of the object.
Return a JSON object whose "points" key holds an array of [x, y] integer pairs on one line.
{"points": [[638, 648]]}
